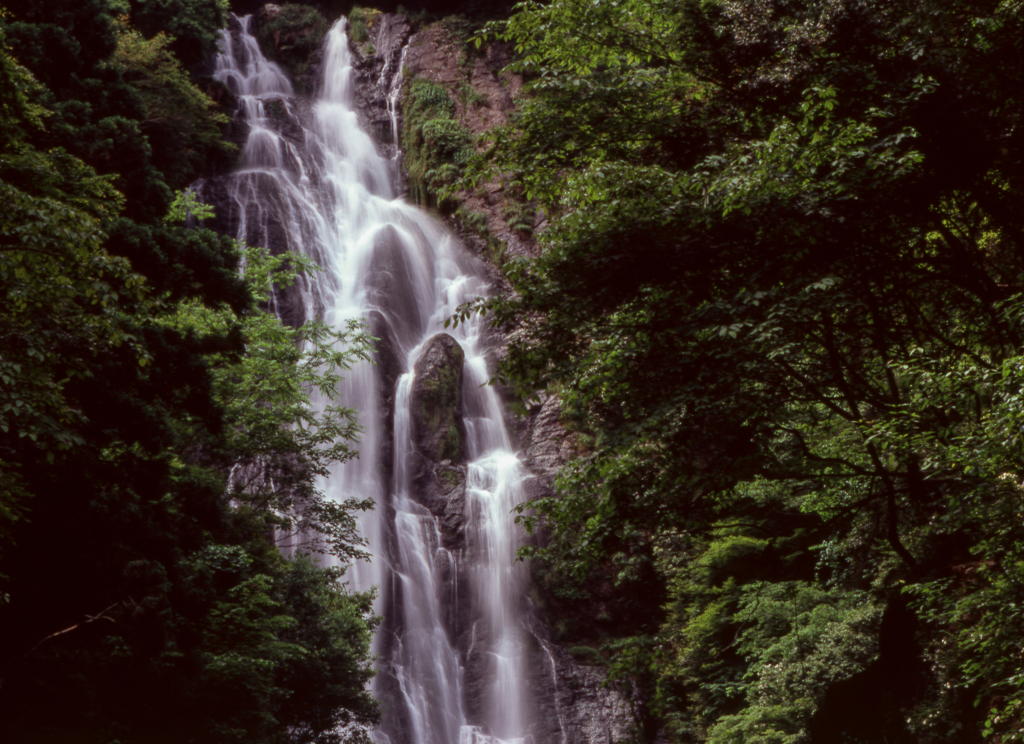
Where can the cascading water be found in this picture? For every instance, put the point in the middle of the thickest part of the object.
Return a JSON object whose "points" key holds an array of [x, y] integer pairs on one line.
{"points": [[311, 181]]}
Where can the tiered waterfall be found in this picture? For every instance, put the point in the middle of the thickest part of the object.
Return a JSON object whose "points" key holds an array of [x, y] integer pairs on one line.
{"points": [[454, 642]]}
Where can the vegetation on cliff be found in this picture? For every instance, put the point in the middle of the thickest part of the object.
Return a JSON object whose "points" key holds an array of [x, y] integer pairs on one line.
{"points": [[437, 146], [781, 290]]}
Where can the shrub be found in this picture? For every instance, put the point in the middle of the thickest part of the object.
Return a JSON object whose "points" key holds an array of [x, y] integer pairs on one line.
{"points": [[360, 21], [437, 146]]}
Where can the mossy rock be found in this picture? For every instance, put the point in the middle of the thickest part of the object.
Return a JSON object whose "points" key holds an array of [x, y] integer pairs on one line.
{"points": [[437, 399]]}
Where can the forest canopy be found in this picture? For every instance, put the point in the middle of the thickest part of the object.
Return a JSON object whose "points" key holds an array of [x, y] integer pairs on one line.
{"points": [[143, 597], [779, 296]]}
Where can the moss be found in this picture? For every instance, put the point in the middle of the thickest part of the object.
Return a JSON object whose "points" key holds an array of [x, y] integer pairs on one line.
{"points": [[439, 406], [450, 478], [436, 146], [292, 36], [452, 444], [587, 655]]}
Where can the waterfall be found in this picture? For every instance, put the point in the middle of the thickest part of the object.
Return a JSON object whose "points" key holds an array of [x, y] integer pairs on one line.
{"points": [[311, 181]]}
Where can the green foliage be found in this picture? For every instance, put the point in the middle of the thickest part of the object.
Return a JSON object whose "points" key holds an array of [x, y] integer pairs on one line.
{"points": [[274, 438], [461, 29], [519, 216], [192, 24], [470, 97], [799, 640], [106, 88], [974, 610], [360, 21], [787, 312], [52, 329], [16, 109], [186, 205], [475, 222], [587, 655], [180, 120], [51, 228], [156, 421], [269, 635], [437, 146]]}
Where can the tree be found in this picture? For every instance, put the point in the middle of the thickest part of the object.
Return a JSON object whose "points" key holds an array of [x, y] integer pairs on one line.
{"points": [[760, 230], [140, 597], [104, 84], [192, 24], [181, 122], [275, 442]]}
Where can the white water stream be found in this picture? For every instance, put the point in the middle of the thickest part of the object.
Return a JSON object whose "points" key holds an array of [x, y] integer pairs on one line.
{"points": [[325, 188]]}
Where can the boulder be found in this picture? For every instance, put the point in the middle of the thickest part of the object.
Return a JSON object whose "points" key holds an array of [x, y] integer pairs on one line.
{"points": [[437, 400]]}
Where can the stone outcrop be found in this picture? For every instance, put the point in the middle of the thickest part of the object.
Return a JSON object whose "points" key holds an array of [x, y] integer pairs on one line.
{"points": [[484, 94], [379, 77], [435, 53], [439, 433], [442, 488], [574, 703], [437, 400]]}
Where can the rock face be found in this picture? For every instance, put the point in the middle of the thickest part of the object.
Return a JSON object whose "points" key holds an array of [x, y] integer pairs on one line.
{"points": [[442, 489], [546, 443], [573, 705], [435, 53], [379, 79], [439, 431], [484, 94]]}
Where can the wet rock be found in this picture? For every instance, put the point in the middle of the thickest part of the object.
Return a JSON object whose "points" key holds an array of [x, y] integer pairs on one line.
{"points": [[477, 675], [391, 287], [387, 360], [377, 76], [575, 704], [443, 492], [263, 227], [437, 400]]}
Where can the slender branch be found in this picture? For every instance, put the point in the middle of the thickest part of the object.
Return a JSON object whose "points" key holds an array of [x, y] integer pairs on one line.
{"points": [[6, 248], [88, 619]]}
